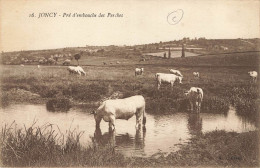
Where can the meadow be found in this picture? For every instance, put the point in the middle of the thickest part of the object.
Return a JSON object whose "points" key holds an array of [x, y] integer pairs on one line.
{"points": [[223, 86]]}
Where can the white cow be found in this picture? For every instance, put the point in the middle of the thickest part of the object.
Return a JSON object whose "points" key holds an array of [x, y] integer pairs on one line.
{"points": [[176, 72], [253, 75], [196, 74], [81, 70], [195, 96], [76, 70], [167, 78], [22, 65], [113, 109], [139, 71], [38, 66]]}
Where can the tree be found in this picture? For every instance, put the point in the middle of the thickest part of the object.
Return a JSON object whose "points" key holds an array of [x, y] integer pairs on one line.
{"points": [[56, 58], [169, 54], [183, 51], [78, 56]]}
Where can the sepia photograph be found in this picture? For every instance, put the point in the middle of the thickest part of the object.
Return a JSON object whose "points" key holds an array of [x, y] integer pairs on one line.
{"points": [[152, 83]]}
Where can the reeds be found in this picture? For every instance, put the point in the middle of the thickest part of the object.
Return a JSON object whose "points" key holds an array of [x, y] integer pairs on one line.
{"points": [[46, 146]]}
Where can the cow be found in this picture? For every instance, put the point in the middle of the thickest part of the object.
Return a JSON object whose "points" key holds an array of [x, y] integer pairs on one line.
{"points": [[196, 74], [176, 72], [117, 62], [113, 109], [66, 62], [38, 66], [167, 78], [253, 76], [104, 63], [76, 70], [22, 65], [195, 96], [139, 71], [81, 70], [73, 70]]}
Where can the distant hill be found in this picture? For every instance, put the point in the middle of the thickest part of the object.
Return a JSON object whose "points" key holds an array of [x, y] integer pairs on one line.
{"points": [[199, 46]]}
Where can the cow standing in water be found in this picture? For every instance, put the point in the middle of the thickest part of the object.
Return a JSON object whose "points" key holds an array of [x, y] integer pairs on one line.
{"points": [[195, 96], [110, 110]]}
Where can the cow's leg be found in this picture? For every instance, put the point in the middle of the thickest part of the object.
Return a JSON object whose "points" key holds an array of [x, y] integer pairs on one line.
{"points": [[139, 115], [191, 106], [112, 123], [172, 85], [98, 120], [199, 105], [158, 85]]}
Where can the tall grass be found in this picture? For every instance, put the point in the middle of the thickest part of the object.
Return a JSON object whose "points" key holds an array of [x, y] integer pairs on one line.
{"points": [[42, 146], [245, 98]]}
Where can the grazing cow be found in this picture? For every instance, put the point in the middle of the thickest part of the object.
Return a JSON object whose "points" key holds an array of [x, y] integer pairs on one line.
{"points": [[196, 74], [38, 66], [22, 65], [81, 70], [176, 72], [139, 71], [76, 70], [104, 63], [117, 62], [66, 62], [195, 96], [167, 78], [253, 75], [110, 110], [73, 70]]}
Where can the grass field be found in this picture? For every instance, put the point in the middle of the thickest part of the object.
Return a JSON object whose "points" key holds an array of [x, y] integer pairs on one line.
{"points": [[224, 80], [218, 83]]}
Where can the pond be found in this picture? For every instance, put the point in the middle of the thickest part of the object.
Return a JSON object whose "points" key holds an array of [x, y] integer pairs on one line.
{"points": [[174, 54], [163, 133]]}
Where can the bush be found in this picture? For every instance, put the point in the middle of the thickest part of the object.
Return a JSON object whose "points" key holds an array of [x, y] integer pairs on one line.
{"points": [[58, 104], [92, 92]]}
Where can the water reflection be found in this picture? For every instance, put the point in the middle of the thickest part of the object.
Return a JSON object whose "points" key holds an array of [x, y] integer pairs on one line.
{"points": [[121, 141], [195, 124], [162, 133]]}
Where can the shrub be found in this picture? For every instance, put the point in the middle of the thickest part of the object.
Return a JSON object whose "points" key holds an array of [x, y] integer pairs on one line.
{"points": [[92, 92], [58, 104]]}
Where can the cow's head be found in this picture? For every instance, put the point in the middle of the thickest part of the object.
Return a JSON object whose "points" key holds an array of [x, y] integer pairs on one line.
{"points": [[179, 79]]}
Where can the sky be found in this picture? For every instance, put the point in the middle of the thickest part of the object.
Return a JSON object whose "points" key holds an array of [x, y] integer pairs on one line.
{"points": [[143, 22]]}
